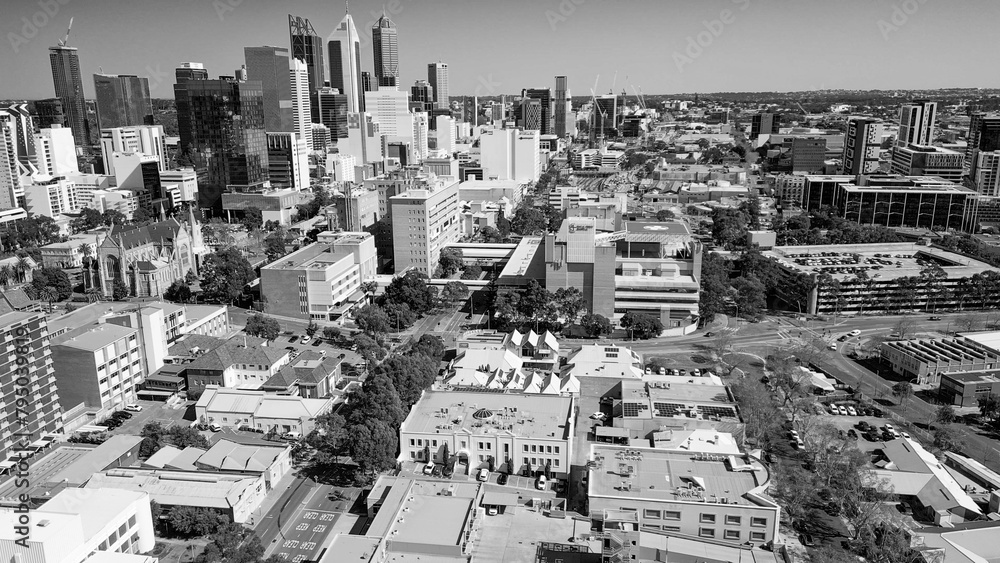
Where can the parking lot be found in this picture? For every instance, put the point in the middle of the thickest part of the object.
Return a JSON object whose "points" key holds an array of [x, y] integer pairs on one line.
{"points": [[527, 484], [505, 538], [293, 343], [155, 411]]}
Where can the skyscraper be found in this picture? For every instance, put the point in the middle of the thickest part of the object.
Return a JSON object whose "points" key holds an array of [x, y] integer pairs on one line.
{"points": [[544, 97], [437, 75], [229, 143], [984, 136], [184, 74], [329, 108], [345, 64], [50, 112], [916, 123], [55, 154], [122, 101], [22, 131], [68, 84], [11, 192], [307, 47], [862, 144], [301, 114], [422, 96], [270, 65], [386, 48], [562, 107], [366, 84], [763, 123]]}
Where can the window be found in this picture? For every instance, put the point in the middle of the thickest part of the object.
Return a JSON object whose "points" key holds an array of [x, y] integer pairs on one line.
{"points": [[534, 449], [671, 515], [122, 529], [706, 532], [555, 462], [557, 449], [525, 461], [434, 443], [534, 461], [707, 518], [654, 514], [131, 522], [526, 448], [481, 446], [413, 442], [671, 528], [548, 449], [759, 536], [413, 455], [732, 520], [758, 522], [420, 442]]}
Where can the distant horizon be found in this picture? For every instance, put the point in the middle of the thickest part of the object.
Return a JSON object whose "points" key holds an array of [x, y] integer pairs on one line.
{"points": [[713, 46]]}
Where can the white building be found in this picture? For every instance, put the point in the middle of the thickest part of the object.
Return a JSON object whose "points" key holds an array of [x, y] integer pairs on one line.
{"points": [[51, 196], [510, 154], [446, 133], [301, 108], [346, 43], [421, 127], [257, 409], [862, 145], [78, 525], [340, 167], [390, 108], [364, 138], [424, 221], [128, 168], [10, 169], [145, 139], [185, 180], [55, 151], [985, 173], [916, 123]]}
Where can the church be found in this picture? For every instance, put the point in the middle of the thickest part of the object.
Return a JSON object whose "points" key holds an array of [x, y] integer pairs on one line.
{"points": [[147, 259]]}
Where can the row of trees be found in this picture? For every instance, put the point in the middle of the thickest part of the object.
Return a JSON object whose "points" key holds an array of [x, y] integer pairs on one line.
{"points": [[155, 435], [92, 218], [28, 234], [368, 429]]}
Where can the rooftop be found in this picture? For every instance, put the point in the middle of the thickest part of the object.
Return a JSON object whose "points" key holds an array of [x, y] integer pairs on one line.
{"points": [[93, 338], [316, 256], [535, 416], [882, 262], [422, 512], [175, 488], [69, 509], [98, 459], [945, 350], [652, 474]]}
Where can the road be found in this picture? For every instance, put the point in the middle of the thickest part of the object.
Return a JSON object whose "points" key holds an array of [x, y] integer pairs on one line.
{"points": [[300, 522]]}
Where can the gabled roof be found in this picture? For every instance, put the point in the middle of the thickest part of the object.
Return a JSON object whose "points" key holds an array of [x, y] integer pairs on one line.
{"points": [[132, 237], [234, 352], [230, 456], [309, 368]]}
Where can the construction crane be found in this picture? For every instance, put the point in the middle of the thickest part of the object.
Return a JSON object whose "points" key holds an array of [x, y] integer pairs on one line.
{"points": [[65, 39], [638, 97]]}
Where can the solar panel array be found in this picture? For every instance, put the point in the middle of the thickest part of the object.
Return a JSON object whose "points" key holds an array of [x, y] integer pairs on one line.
{"points": [[631, 409], [668, 409], [709, 410]]}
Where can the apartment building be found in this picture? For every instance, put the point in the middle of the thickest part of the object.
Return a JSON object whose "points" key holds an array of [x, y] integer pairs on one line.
{"points": [[424, 221], [100, 366], [234, 408]]}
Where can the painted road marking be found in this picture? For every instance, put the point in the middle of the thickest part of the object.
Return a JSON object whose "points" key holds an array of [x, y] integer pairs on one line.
{"points": [[302, 527], [309, 545], [327, 517], [298, 558], [291, 544], [310, 515], [320, 528]]}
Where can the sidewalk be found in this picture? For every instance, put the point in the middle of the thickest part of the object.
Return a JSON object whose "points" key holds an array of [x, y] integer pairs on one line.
{"points": [[272, 498]]}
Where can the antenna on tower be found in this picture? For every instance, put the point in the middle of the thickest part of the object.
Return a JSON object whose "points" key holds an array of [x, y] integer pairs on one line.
{"points": [[65, 39]]}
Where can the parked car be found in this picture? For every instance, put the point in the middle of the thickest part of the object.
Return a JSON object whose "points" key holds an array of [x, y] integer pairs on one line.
{"points": [[851, 411], [214, 427], [304, 340], [832, 346], [291, 436], [905, 435], [935, 318], [709, 333], [852, 434], [124, 415], [863, 426], [483, 475], [133, 407], [294, 338], [502, 479], [492, 510], [540, 483], [834, 410], [807, 540], [854, 333], [843, 411]]}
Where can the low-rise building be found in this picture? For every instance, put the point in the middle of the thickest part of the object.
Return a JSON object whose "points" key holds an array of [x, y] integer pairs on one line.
{"points": [[68, 254], [473, 191], [712, 496], [522, 433], [327, 276], [81, 525], [311, 375], [966, 388], [929, 359], [275, 205], [270, 413], [272, 461], [245, 363]]}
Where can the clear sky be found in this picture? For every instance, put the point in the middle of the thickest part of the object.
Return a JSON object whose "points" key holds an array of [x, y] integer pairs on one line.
{"points": [[501, 46]]}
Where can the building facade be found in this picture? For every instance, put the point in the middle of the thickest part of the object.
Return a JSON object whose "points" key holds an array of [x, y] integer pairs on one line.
{"points": [[122, 101], [424, 221], [270, 66], [68, 82], [385, 46], [99, 366], [916, 123], [307, 47], [920, 160], [437, 75], [862, 144]]}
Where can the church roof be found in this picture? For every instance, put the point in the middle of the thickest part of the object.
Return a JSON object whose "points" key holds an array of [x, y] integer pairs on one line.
{"points": [[132, 237]]}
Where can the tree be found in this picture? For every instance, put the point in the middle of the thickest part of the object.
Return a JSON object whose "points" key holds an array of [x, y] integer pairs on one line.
{"points": [[329, 442], [570, 303], [430, 346], [412, 288], [664, 215], [399, 315], [750, 297], [178, 292], [119, 291], [759, 413], [274, 244], [948, 438], [796, 491], [451, 261], [372, 319], [187, 437], [311, 329], [490, 234], [331, 333], [714, 286], [263, 327], [368, 348], [373, 447], [194, 521], [902, 390], [989, 406], [234, 543], [969, 322], [253, 218], [455, 292], [56, 278], [945, 414], [473, 272], [596, 325], [141, 216], [226, 273], [528, 221], [641, 326], [88, 219], [114, 217], [729, 228]]}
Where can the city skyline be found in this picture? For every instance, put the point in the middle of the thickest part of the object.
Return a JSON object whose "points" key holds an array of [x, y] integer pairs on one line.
{"points": [[693, 48]]}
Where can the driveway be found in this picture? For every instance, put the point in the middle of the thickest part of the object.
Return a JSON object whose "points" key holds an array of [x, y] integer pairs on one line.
{"points": [[154, 411]]}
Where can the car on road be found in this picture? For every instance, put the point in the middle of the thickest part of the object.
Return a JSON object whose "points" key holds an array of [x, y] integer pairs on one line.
{"points": [[709, 333], [133, 407], [502, 479], [905, 435], [854, 333], [483, 475], [934, 318]]}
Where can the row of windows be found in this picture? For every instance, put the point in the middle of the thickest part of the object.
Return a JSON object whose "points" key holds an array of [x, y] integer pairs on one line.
{"points": [[554, 462], [704, 518], [726, 534]]}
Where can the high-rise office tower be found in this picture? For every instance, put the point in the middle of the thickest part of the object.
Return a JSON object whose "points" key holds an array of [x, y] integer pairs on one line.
{"points": [[307, 47], [11, 192], [25, 337], [386, 48], [366, 84], [234, 160], [55, 153], [763, 123], [984, 136], [437, 75], [544, 97], [345, 64], [562, 107], [122, 101], [22, 131], [916, 123], [301, 114], [329, 108], [422, 96], [287, 161], [390, 108], [604, 117], [50, 112], [270, 65], [862, 144], [529, 114], [68, 84], [184, 74]]}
